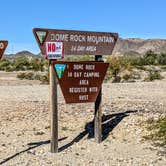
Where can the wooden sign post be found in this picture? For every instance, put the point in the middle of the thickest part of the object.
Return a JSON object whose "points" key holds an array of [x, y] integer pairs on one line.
{"points": [[98, 110], [53, 109]]}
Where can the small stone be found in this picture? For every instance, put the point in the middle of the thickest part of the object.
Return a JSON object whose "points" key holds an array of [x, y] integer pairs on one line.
{"points": [[39, 133], [31, 152]]}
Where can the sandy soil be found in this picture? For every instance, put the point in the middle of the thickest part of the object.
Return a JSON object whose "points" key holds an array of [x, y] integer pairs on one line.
{"points": [[10, 78], [25, 126]]}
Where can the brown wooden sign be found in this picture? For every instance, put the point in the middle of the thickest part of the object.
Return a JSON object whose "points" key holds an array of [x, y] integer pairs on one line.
{"points": [[76, 42], [3, 45], [80, 81]]}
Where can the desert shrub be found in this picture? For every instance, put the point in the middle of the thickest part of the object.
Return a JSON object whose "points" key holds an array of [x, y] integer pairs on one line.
{"points": [[163, 67], [24, 63], [130, 76], [151, 58], [135, 61], [34, 65], [126, 77], [141, 67], [44, 78], [135, 76], [108, 76], [4, 64], [143, 61], [21, 76], [9, 68], [28, 76], [157, 129], [37, 64], [150, 61], [126, 63], [80, 58], [21, 63], [154, 75], [117, 64], [162, 59]]}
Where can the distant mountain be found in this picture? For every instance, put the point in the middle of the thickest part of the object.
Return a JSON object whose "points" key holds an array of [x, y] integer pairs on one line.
{"points": [[23, 54], [134, 46]]}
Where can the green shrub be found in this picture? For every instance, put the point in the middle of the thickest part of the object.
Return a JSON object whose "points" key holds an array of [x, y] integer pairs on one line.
{"points": [[32, 76], [28, 76], [151, 58], [9, 68], [43, 78], [127, 77], [162, 59], [141, 68], [21, 76], [80, 58], [158, 130], [154, 75], [21, 64], [4, 64], [37, 64], [163, 67], [117, 64]]}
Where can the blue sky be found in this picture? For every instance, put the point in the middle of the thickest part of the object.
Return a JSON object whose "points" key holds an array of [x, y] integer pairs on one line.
{"points": [[130, 18]]}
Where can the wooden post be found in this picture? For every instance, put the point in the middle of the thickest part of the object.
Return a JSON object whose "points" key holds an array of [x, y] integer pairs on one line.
{"points": [[98, 111], [53, 109]]}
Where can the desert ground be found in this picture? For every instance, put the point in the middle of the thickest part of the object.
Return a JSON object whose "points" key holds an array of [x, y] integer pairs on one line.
{"points": [[25, 125]]}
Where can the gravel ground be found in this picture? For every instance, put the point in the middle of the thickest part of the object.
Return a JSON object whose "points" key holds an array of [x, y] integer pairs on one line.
{"points": [[25, 126]]}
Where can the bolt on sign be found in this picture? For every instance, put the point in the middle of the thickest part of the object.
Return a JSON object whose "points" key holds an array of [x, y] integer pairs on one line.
{"points": [[74, 42], [80, 81], [3, 45]]}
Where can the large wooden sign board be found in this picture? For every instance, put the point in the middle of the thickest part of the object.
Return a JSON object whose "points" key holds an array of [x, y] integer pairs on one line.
{"points": [[75, 42], [80, 81], [3, 45]]}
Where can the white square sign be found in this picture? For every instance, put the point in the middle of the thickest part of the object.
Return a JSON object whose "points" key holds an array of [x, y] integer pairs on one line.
{"points": [[54, 50]]}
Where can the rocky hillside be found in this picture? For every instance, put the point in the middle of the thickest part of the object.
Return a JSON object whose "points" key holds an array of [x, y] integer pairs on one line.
{"points": [[23, 54], [134, 46]]}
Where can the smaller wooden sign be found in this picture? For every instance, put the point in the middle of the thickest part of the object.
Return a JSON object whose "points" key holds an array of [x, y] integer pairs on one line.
{"points": [[80, 81], [3, 45]]}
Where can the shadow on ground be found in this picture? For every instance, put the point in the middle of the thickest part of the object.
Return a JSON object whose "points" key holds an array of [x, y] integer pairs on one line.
{"points": [[109, 122], [31, 146]]}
